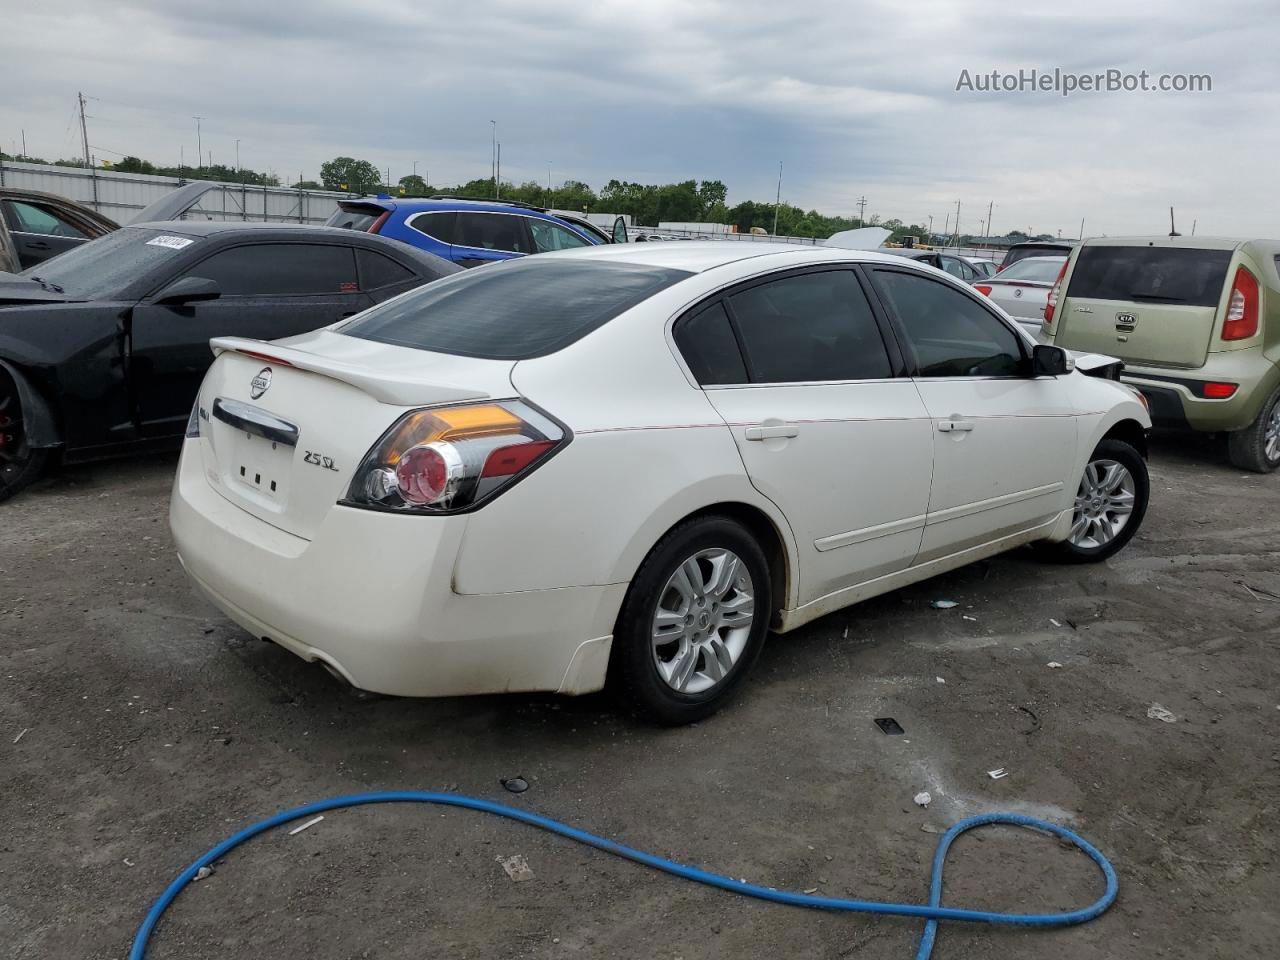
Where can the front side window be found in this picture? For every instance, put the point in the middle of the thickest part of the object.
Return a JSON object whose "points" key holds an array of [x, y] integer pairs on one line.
{"points": [[809, 327], [951, 333], [492, 231], [957, 268], [548, 236], [29, 218], [280, 269]]}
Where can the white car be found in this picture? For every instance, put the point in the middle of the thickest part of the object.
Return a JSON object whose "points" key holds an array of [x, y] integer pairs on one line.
{"points": [[631, 462], [1022, 290]]}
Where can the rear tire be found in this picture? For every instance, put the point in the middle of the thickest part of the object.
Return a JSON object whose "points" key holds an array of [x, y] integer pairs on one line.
{"points": [[1257, 446], [20, 463], [693, 622], [1111, 502]]}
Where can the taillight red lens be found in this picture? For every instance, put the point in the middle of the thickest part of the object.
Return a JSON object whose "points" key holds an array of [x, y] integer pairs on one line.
{"points": [[1242, 308], [265, 358], [1219, 391], [425, 474], [505, 461], [1051, 304], [983, 289], [377, 224]]}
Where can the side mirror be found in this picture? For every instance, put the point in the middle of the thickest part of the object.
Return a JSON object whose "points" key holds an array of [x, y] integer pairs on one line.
{"points": [[1050, 361], [188, 290], [619, 230]]}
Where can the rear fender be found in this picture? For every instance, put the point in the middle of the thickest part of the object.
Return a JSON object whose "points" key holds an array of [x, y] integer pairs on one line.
{"points": [[40, 427]]}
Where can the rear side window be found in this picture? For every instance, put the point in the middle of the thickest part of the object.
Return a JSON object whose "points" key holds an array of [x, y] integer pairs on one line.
{"points": [[707, 343], [515, 310], [809, 327], [548, 236], [1150, 274], [437, 225], [355, 218], [280, 269], [951, 333], [377, 271], [492, 231]]}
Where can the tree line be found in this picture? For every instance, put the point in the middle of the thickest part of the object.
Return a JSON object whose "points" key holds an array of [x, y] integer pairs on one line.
{"points": [[697, 201]]}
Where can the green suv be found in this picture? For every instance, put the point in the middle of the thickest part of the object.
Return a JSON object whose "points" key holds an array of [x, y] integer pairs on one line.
{"points": [[1196, 321]]}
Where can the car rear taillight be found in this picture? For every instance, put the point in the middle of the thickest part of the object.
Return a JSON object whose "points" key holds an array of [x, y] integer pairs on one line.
{"points": [[1219, 391], [447, 459], [1242, 308], [983, 288], [1051, 303]]}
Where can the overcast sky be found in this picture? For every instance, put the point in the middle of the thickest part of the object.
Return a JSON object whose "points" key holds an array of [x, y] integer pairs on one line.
{"points": [[853, 98]]}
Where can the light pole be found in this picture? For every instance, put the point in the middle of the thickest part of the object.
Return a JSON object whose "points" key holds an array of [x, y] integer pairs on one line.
{"points": [[493, 158], [548, 181], [237, 157], [199, 143]]}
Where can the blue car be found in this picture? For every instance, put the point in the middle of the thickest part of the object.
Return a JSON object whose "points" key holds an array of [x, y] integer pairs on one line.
{"points": [[471, 232]]}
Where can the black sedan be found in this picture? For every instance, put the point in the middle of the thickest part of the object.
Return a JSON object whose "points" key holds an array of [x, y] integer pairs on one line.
{"points": [[102, 349]]}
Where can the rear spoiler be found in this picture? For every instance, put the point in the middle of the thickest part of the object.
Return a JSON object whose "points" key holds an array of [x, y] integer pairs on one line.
{"points": [[397, 390]]}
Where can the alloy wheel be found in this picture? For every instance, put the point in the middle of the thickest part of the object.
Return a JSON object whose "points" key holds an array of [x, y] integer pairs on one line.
{"points": [[703, 620], [14, 451], [1271, 436], [1104, 504]]}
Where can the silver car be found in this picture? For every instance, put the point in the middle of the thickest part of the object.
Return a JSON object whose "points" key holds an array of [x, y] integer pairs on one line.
{"points": [[1022, 290]]}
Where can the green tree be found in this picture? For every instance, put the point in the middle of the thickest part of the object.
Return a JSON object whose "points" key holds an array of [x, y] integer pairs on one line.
{"points": [[414, 186], [347, 173], [134, 165]]}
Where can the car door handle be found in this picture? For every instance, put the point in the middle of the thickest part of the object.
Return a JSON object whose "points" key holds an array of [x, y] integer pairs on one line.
{"points": [[770, 432], [955, 426], [37, 245]]}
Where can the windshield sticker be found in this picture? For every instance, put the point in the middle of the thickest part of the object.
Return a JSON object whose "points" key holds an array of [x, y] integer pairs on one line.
{"points": [[173, 243]]}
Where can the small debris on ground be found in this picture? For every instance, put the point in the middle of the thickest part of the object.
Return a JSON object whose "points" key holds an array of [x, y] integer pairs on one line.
{"points": [[965, 616], [204, 873], [517, 867], [515, 784], [25, 731], [310, 823], [999, 773], [930, 828], [1054, 622], [1157, 712], [939, 679], [923, 799], [889, 726], [1054, 665], [127, 862], [943, 604]]}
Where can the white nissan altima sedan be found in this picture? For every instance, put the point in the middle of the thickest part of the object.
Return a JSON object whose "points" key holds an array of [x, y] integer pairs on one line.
{"points": [[629, 463]]}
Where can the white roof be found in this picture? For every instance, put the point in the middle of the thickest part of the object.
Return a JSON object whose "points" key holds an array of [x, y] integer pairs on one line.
{"points": [[696, 256]]}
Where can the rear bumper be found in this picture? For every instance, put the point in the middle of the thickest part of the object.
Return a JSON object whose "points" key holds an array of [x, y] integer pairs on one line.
{"points": [[1176, 396], [371, 596]]}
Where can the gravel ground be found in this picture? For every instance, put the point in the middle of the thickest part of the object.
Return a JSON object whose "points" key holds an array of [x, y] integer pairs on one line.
{"points": [[138, 727]]}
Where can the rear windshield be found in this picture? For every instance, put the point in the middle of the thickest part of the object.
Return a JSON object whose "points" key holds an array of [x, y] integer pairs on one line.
{"points": [[354, 218], [1150, 274], [1037, 250], [103, 268], [513, 310], [1035, 269]]}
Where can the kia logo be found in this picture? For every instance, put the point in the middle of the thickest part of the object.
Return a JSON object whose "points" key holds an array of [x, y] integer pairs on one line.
{"points": [[1126, 320], [259, 384]]}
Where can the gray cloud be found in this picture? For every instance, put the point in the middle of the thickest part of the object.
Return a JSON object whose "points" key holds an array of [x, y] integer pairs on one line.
{"points": [[854, 98]]}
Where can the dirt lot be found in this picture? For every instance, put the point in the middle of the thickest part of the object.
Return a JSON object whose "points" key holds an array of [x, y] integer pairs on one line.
{"points": [[154, 727]]}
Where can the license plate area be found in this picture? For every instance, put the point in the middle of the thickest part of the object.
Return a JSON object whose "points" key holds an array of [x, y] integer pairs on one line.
{"points": [[259, 468]]}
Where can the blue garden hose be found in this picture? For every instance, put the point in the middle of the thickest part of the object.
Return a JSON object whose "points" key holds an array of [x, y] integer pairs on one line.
{"points": [[933, 912]]}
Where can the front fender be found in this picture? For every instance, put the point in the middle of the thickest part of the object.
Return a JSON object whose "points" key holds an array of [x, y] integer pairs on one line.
{"points": [[40, 427]]}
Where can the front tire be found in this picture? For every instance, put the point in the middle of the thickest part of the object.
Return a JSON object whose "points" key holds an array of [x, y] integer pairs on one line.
{"points": [[1111, 502], [693, 622], [1257, 446]]}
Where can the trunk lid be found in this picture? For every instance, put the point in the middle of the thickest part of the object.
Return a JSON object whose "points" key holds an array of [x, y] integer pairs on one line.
{"points": [[1154, 305], [285, 424], [1019, 298]]}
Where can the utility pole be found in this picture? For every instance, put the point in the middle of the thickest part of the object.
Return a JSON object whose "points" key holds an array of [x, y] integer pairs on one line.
{"points": [[957, 230], [24, 144], [1081, 237], [989, 208], [862, 209], [777, 200], [238, 159], [946, 227], [199, 143], [931, 229], [1193, 222], [493, 158], [84, 131], [497, 172], [548, 180]]}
